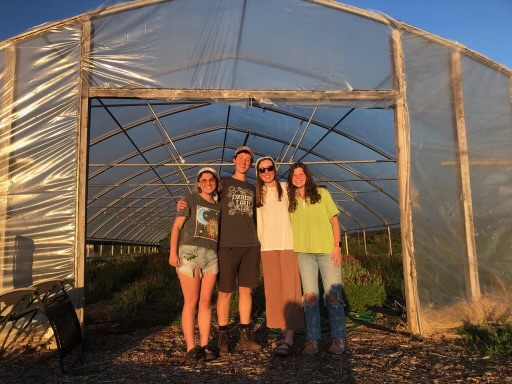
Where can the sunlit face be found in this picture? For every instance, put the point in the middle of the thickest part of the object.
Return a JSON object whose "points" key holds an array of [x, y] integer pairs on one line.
{"points": [[242, 162], [207, 182], [299, 178], [266, 171]]}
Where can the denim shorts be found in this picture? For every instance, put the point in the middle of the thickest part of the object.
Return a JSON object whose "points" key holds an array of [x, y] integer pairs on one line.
{"points": [[204, 259]]}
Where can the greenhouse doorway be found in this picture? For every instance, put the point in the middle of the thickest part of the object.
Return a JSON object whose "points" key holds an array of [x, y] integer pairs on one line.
{"points": [[144, 154]]}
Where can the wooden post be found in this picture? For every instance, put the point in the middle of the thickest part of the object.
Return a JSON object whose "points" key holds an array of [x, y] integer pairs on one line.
{"points": [[402, 134], [364, 239], [6, 125], [390, 241], [81, 165], [472, 280]]}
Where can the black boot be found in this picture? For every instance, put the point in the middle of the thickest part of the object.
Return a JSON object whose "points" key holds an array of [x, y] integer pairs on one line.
{"points": [[223, 343], [246, 343]]}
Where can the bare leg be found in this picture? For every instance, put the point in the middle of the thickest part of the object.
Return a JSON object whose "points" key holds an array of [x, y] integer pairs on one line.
{"points": [[288, 336], [204, 317], [190, 287], [223, 302], [245, 304]]}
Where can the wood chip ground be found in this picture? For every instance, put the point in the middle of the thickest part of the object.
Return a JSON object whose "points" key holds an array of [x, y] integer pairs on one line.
{"points": [[155, 355]]}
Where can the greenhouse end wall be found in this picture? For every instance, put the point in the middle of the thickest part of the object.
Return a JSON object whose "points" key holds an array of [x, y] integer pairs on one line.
{"points": [[304, 46]]}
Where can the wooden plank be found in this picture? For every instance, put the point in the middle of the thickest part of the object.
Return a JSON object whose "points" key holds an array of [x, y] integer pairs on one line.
{"points": [[390, 241], [353, 97], [6, 125], [481, 163], [472, 279], [402, 135], [81, 165]]}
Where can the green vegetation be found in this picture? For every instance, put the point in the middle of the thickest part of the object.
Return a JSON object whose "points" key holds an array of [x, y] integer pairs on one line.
{"points": [[143, 291], [493, 339], [376, 243], [362, 287]]}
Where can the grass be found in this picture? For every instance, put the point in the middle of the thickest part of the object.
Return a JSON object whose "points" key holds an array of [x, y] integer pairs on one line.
{"points": [[361, 287], [142, 291], [145, 290], [487, 327], [488, 339]]}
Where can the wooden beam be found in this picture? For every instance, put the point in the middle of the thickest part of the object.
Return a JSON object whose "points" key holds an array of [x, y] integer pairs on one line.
{"points": [[81, 166], [402, 135], [352, 97], [6, 125], [481, 163], [472, 279], [390, 242]]}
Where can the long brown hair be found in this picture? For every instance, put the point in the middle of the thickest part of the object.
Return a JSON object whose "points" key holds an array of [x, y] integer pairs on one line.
{"points": [[260, 191], [311, 189]]}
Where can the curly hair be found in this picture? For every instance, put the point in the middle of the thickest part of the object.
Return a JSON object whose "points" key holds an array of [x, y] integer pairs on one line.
{"points": [[311, 189]]}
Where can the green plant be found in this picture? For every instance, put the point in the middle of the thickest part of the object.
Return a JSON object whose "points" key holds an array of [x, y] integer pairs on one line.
{"points": [[377, 243], [389, 268], [362, 288], [143, 290], [488, 339], [106, 276]]}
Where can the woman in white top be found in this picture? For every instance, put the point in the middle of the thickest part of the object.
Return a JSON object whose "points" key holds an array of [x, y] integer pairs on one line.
{"points": [[283, 293]]}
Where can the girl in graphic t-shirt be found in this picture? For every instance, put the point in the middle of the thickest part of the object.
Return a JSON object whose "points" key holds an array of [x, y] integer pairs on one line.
{"points": [[196, 228]]}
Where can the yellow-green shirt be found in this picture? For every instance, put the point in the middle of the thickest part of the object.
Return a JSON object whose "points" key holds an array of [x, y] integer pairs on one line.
{"points": [[311, 224]]}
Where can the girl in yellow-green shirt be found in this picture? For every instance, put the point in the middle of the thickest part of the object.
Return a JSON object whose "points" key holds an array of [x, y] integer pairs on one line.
{"points": [[316, 234]]}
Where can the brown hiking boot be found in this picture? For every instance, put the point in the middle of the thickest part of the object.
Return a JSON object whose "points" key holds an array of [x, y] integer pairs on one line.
{"points": [[223, 343], [246, 343]]}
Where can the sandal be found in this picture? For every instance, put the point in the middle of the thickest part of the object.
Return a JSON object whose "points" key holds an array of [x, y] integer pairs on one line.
{"points": [[277, 342], [283, 350]]}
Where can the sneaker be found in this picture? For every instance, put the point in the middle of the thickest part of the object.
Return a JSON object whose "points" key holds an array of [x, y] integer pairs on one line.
{"points": [[208, 353], [223, 343], [194, 355], [246, 343], [337, 347], [311, 348]]}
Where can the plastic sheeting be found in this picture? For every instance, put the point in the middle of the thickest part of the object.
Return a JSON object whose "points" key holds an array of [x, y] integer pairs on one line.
{"points": [[175, 84]]}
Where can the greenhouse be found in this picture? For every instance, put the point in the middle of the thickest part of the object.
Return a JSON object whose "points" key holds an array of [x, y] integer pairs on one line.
{"points": [[106, 117]]}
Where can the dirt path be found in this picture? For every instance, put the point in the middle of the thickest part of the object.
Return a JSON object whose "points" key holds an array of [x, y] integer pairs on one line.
{"points": [[155, 355]]}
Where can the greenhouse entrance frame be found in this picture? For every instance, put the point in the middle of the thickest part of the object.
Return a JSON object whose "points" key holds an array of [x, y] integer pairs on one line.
{"points": [[317, 97]]}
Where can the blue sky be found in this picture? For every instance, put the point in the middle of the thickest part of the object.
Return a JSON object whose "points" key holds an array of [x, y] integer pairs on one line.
{"points": [[482, 25]]}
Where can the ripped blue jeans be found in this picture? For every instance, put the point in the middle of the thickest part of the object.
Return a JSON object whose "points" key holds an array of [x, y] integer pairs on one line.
{"points": [[310, 264]]}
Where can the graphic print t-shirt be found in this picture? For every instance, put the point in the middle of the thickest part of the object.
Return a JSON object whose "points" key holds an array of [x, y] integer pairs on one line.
{"points": [[201, 227], [238, 219]]}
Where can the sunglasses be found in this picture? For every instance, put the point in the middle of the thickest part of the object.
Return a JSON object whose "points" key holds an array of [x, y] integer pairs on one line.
{"points": [[270, 168]]}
